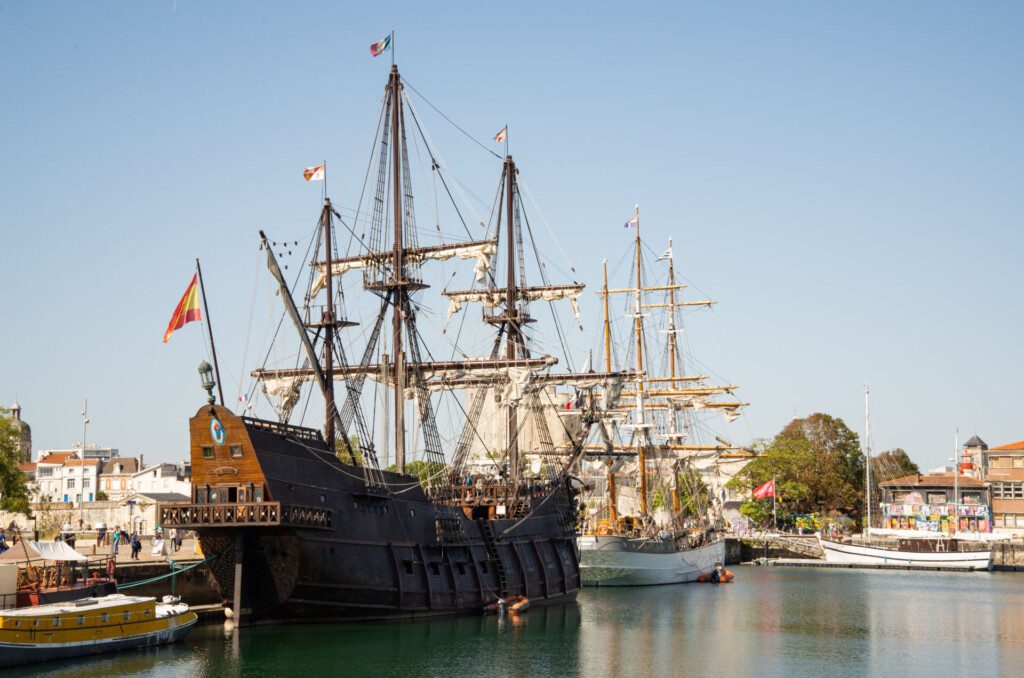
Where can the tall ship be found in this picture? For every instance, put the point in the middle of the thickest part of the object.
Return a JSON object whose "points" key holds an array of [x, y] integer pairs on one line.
{"points": [[650, 517], [377, 515]]}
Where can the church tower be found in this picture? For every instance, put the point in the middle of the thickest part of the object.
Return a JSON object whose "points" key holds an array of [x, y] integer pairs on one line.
{"points": [[24, 432]]}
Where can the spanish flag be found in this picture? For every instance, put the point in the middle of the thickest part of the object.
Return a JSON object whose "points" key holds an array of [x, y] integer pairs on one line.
{"points": [[187, 309]]}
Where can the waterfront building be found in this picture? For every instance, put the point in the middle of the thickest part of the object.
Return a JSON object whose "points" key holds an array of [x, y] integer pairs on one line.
{"points": [[164, 478], [117, 476], [48, 475], [928, 503], [1003, 468], [91, 451], [973, 459]]}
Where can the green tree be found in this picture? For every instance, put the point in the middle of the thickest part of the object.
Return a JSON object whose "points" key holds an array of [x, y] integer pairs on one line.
{"points": [[14, 493], [817, 466], [429, 473], [341, 450], [693, 493]]}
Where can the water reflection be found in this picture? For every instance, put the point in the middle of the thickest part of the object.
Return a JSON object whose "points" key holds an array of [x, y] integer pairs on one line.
{"points": [[770, 622]]}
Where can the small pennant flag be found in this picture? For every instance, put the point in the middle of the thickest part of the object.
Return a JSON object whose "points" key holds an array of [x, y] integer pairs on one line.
{"points": [[632, 222], [243, 398], [381, 46], [187, 309], [314, 173], [765, 491], [501, 135], [667, 254]]}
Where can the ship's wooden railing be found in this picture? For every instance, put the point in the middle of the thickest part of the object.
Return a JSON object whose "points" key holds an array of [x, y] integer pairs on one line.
{"points": [[254, 514]]}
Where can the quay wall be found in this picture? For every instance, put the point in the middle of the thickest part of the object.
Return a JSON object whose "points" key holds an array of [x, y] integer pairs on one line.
{"points": [[196, 586]]}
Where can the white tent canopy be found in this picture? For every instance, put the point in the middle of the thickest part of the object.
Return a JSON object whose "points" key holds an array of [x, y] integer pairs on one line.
{"points": [[42, 550]]}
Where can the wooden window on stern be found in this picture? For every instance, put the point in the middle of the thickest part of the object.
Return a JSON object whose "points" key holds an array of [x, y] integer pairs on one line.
{"points": [[236, 451], [208, 452]]}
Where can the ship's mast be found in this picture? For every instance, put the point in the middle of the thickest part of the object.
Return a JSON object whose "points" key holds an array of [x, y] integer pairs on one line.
{"points": [[671, 315], [641, 433], [867, 460], [397, 275], [613, 509], [514, 340], [672, 414], [328, 321]]}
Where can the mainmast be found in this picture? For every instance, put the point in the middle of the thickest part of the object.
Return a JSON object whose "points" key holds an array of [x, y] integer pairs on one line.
{"points": [[641, 432], [867, 460], [613, 509], [397, 274], [672, 368], [328, 321], [671, 315], [515, 334]]}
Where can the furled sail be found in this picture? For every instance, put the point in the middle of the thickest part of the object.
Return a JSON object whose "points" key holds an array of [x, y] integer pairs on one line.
{"points": [[283, 393], [494, 297], [480, 250]]}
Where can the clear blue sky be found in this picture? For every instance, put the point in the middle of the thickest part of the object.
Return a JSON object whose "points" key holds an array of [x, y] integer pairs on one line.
{"points": [[844, 178]]}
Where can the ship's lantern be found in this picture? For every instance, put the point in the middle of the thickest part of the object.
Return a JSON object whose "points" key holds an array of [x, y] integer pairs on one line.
{"points": [[206, 379]]}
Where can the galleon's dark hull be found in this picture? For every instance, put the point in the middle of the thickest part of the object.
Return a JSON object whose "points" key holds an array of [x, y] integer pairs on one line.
{"points": [[287, 576], [383, 554]]}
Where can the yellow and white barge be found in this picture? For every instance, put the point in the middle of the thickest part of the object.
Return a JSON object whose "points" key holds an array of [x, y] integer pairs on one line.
{"points": [[90, 626]]}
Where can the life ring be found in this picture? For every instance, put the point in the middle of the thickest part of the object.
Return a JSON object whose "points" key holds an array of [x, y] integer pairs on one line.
{"points": [[111, 567], [602, 530]]}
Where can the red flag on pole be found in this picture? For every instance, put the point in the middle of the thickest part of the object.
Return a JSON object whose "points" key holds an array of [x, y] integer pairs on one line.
{"points": [[764, 491], [187, 309]]}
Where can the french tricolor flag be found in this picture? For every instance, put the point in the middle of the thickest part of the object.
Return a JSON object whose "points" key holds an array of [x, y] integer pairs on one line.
{"points": [[632, 222], [381, 46]]}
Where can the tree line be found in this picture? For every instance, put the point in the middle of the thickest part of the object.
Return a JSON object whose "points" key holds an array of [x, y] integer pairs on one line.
{"points": [[818, 468]]}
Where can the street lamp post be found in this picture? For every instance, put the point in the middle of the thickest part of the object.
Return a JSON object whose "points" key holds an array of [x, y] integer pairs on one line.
{"points": [[81, 489]]}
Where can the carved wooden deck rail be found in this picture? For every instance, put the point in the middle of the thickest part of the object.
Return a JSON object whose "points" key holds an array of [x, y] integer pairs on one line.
{"points": [[255, 514]]}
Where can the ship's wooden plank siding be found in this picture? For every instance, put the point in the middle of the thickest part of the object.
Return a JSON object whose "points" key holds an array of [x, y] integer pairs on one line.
{"points": [[223, 469]]}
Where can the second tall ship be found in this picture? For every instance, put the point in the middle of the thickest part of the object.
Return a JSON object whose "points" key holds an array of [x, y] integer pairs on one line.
{"points": [[651, 519]]}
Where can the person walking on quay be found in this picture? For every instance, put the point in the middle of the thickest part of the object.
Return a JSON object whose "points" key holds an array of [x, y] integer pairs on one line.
{"points": [[3, 541], [115, 540], [68, 535], [176, 538], [101, 534], [136, 545]]}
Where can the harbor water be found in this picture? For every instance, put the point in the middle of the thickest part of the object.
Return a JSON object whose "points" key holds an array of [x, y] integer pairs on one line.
{"points": [[774, 621]]}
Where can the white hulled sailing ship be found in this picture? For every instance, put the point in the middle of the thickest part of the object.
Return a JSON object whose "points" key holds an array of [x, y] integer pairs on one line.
{"points": [[650, 517], [935, 551]]}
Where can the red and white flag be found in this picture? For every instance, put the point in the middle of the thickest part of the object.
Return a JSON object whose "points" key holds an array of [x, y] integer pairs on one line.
{"points": [[502, 134], [314, 173], [381, 46], [765, 491]]}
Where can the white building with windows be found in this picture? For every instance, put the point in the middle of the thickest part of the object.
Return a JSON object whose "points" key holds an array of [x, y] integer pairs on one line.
{"points": [[91, 452], [117, 477], [164, 479]]}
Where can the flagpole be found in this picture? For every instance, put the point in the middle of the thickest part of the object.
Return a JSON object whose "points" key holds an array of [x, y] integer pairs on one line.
{"points": [[209, 329], [325, 178], [506, 139], [392, 47]]}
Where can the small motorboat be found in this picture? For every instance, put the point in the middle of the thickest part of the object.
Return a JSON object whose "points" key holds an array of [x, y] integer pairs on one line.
{"points": [[517, 604], [719, 575], [90, 626]]}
